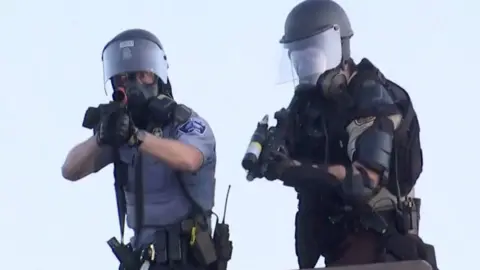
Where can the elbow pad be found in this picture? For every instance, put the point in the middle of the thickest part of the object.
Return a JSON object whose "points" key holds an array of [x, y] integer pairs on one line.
{"points": [[374, 146]]}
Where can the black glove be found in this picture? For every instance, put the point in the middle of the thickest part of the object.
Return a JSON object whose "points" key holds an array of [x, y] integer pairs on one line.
{"points": [[162, 108], [279, 161], [104, 131], [116, 129]]}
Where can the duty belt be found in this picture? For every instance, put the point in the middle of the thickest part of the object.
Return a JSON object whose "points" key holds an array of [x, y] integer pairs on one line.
{"points": [[405, 218], [170, 247], [171, 244]]}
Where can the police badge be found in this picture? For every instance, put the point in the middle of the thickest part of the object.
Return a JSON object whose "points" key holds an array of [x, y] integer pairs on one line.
{"points": [[157, 132]]}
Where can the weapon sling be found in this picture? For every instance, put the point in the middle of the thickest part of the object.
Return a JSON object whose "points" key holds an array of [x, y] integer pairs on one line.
{"points": [[120, 173]]}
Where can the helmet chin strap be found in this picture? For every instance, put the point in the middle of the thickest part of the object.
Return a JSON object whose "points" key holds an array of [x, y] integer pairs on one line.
{"points": [[165, 88]]}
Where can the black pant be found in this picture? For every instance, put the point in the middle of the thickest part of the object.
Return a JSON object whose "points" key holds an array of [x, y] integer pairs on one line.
{"points": [[369, 247], [342, 245]]}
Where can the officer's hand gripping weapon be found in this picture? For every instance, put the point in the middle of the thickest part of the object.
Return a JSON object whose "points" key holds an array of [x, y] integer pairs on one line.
{"points": [[93, 114]]}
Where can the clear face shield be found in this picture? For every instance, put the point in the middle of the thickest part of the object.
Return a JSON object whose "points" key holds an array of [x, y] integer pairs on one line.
{"points": [[134, 65], [305, 60]]}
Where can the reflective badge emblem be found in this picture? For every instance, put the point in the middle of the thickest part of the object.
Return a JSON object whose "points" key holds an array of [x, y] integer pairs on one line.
{"points": [[157, 132], [193, 126], [127, 43]]}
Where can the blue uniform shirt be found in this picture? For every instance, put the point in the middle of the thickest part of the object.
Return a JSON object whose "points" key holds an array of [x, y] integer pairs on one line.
{"points": [[164, 199]]}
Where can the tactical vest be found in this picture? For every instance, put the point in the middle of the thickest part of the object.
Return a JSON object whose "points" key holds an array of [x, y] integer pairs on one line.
{"points": [[316, 230], [407, 162], [321, 137]]}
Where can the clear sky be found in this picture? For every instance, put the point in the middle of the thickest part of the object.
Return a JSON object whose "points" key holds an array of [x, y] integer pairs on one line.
{"points": [[224, 62]]}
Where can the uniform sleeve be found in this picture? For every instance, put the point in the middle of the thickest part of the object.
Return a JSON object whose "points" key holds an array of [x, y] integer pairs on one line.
{"points": [[197, 133], [104, 159], [372, 102]]}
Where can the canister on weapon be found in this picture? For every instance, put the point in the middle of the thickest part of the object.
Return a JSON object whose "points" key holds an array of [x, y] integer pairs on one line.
{"points": [[256, 144]]}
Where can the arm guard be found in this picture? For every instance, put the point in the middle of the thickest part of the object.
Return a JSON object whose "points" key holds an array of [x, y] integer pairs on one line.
{"points": [[374, 146], [370, 139], [371, 133], [372, 149]]}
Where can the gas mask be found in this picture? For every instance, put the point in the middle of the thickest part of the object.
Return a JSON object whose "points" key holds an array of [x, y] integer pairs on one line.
{"points": [[136, 95], [333, 84]]}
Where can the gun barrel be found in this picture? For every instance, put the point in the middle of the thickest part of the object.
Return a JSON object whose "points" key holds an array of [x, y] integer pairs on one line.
{"points": [[250, 176], [119, 95]]}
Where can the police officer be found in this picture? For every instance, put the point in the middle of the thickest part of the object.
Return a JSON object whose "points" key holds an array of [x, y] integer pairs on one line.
{"points": [[165, 146], [340, 149]]}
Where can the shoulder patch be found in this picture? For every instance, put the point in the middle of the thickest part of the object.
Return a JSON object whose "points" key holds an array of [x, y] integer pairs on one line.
{"points": [[193, 125]]}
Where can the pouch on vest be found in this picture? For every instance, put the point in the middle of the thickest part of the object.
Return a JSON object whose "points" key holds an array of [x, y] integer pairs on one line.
{"points": [[408, 216], [407, 165]]}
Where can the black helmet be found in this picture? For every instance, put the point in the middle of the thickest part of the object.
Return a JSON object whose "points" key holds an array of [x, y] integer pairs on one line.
{"points": [[316, 40], [134, 50], [311, 17]]}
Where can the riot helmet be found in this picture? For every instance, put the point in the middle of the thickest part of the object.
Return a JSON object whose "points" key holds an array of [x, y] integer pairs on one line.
{"points": [[135, 64], [316, 43], [132, 52]]}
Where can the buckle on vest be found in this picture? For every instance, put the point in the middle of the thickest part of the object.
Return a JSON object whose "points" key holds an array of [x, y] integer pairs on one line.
{"points": [[148, 254], [408, 219]]}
